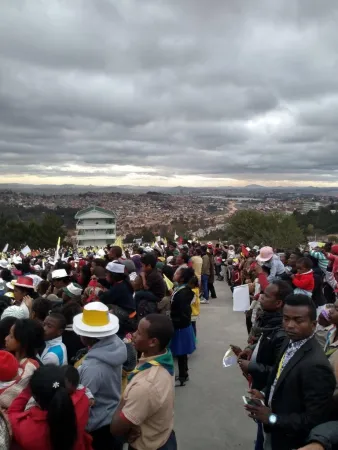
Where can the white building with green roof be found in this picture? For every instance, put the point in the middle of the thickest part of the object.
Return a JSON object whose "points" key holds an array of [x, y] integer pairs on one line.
{"points": [[96, 227]]}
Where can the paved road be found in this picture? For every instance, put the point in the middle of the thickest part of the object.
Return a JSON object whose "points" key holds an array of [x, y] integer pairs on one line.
{"points": [[209, 409]]}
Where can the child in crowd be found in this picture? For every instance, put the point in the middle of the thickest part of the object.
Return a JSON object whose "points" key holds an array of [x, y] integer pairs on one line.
{"points": [[195, 304], [55, 352], [72, 384], [183, 343], [23, 341], [235, 275], [60, 419], [303, 280], [9, 367]]}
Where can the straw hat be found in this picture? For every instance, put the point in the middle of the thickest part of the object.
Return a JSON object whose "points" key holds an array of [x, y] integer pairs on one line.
{"points": [[10, 285], [95, 321]]}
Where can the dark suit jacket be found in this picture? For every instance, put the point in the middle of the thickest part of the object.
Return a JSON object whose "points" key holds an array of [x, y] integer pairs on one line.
{"points": [[302, 398]]}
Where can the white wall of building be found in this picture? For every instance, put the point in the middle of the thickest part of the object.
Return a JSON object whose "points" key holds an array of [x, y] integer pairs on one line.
{"points": [[96, 229]]}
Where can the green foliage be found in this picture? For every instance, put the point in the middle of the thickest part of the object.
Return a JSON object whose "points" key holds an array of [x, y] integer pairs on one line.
{"points": [[43, 234], [255, 228], [322, 221]]}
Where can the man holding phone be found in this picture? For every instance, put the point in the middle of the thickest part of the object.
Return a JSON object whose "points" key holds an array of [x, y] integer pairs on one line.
{"points": [[299, 391]]}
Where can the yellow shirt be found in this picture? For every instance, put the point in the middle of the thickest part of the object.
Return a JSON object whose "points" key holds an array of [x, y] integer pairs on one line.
{"points": [[195, 305]]}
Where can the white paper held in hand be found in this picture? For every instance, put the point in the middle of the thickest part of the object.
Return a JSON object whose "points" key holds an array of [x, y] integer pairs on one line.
{"points": [[241, 298], [229, 358]]}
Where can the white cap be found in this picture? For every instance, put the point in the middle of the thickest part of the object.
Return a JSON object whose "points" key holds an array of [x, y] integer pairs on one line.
{"points": [[59, 273], [115, 267]]}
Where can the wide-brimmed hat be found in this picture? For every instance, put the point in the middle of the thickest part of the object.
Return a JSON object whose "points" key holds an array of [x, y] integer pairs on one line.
{"points": [[59, 273], [25, 282], [95, 321], [17, 259], [265, 254], [10, 285], [73, 290], [4, 264]]}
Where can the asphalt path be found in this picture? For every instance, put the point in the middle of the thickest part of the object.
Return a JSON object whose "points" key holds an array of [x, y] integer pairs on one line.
{"points": [[209, 413]]}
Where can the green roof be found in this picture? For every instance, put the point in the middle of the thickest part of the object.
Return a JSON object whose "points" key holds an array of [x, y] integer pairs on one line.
{"points": [[94, 208]]}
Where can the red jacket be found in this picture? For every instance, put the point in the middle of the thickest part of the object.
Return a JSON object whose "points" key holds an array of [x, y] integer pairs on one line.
{"points": [[30, 428], [304, 281]]}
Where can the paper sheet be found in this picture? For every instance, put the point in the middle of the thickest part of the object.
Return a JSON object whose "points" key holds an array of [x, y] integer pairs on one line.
{"points": [[241, 298]]}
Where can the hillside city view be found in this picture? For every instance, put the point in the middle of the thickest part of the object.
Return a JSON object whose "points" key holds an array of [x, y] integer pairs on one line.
{"points": [[200, 214], [168, 225]]}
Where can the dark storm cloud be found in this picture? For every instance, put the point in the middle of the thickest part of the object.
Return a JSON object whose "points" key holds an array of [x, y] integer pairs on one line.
{"points": [[240, 89]]}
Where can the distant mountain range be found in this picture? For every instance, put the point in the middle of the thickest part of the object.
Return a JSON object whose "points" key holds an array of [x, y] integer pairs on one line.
{"points": [[75, 189]]}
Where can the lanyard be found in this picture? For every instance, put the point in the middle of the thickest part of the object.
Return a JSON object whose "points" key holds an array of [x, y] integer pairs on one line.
{"points": [[280, 366]]}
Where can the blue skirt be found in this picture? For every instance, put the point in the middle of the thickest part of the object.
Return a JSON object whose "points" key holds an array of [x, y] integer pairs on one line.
{"points": [[183, 342]]}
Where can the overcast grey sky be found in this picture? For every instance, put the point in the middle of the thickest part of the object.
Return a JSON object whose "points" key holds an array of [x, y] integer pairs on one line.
{"points": [[168, 92]]}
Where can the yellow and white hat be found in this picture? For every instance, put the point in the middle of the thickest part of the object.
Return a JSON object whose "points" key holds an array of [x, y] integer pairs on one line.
{"points": [[95, 321]]}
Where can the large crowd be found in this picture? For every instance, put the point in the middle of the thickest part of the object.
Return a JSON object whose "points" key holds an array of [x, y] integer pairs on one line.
{"points": [[88, 342]]}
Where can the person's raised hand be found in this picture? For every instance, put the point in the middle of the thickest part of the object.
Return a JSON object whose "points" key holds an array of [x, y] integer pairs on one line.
{"points": [[28, 301], [237, 350], [245, 354], [244, 365]]}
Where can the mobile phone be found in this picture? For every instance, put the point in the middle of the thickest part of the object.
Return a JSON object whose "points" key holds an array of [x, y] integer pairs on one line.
{"points": [[252, 401]]}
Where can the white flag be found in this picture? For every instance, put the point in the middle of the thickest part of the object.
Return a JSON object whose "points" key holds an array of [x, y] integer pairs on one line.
{"points": [[176, 236], [5, 248], [25, 251]]}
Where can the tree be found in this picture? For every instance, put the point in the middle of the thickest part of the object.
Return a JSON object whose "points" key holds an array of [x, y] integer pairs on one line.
{"points": [[255, 228], [42, 234]]}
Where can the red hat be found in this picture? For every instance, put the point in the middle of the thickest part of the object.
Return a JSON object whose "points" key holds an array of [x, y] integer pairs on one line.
{"points": [[334, 249], [9, 366], [25, 282]]}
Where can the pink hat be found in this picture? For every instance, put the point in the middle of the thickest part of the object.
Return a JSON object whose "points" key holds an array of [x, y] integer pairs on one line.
{"points": [[265, 254]]}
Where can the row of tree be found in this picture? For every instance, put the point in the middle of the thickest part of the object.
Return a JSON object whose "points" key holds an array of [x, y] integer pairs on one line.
{"points": [[37, 234], [321, 222], [252, 227]]}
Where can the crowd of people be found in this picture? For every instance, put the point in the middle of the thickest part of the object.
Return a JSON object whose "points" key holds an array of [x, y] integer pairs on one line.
{"points": [[88, 343], [290, 360]]}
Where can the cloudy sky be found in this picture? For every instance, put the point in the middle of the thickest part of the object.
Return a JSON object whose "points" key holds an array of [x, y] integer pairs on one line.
{"points": [[169, 92]]}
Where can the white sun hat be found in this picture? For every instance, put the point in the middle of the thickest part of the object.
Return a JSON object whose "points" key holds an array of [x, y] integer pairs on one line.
{"points": [[17, 259], [4, 264], [59, 273], [95, 321], [11, 285]]}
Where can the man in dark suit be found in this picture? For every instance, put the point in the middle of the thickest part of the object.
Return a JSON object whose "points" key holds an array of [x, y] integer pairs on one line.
{"points": [[299, 391]]}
